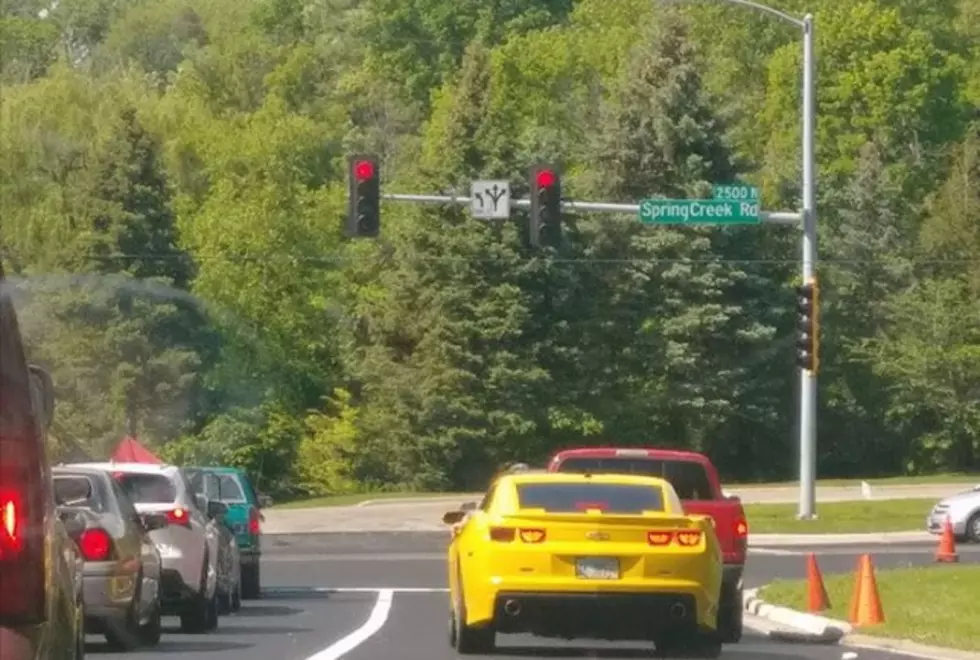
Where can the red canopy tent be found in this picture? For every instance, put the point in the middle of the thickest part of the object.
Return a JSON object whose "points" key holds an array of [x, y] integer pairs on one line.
{"points": [[131, 451]]}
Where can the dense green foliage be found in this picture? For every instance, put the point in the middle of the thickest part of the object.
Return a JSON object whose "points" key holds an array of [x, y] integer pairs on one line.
{"points": [[173, 187]]}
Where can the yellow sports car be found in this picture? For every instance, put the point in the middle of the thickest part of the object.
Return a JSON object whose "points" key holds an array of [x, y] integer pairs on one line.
{"points": [[584, 556]]}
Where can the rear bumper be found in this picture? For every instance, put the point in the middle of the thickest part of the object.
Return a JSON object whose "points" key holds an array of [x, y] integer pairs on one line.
{"points": [[108, 591], [617, 606], [613, 616]]}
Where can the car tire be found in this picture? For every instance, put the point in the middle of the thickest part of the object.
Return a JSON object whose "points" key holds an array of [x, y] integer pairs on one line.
{"points": [[236, 596], [731, 615], [251, 587], [127, 636], [152, 630], [973, 528], [224, 603], [469, 640]]}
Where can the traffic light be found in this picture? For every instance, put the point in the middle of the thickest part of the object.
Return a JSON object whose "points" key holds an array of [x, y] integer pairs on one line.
{"points": [[808, 326], [545, 185], [364, 198]]}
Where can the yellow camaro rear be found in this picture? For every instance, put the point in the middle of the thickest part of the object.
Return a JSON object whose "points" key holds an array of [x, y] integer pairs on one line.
{"points": [[584, 556]]}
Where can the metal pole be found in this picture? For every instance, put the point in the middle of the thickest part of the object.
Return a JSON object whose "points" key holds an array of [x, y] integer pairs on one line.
{"points": [[808, 379]]}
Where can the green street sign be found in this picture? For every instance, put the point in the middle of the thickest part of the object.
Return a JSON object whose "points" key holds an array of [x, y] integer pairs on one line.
{"points": [[698, 211], [735, 192]]}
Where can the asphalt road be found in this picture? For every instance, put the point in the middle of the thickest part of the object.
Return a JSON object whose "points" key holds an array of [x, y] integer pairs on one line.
{"points": [[369, 596]]}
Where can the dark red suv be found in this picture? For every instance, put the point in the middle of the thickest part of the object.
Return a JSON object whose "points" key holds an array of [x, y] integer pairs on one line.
{"points": [[41, 609]]}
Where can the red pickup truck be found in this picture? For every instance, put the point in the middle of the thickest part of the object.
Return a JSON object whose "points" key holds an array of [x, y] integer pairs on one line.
{"points": [[695, 479]]}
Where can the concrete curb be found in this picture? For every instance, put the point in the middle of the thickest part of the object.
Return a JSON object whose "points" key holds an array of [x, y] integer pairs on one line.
{"points": [[802, 627], [906, 647], [873, 538]]}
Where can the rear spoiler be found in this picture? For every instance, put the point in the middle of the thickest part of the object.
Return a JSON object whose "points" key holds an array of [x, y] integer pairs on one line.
{"points": [[648, 519]]}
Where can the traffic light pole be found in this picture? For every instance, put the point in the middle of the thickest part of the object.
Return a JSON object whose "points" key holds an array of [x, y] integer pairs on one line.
{"points": [[772, 217], [808, 379]]}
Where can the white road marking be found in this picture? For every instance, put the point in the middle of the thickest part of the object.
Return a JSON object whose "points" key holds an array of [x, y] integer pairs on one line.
{"points": [[374, 623]]}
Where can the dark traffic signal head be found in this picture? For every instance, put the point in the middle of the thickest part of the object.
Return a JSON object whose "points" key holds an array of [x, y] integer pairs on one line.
{"points": [[364, 197], [545, 185], [808, 326]]}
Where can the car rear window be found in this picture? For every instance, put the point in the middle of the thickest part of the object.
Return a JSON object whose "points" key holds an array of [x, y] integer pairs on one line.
{"points": [[687, 477], [147, 488], [230, 490], [572, 498], [77, 490]]}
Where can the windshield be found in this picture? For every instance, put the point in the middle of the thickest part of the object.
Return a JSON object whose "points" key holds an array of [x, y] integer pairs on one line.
{"points": [[573, 498], [687, 477], [147, 488]]}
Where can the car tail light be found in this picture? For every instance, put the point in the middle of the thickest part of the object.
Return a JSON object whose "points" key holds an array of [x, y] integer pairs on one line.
{"points": [[502, 534], [688, 537], [533, 535], [179, 516], [95, 544], [11, 525], [253, 522], [741, 529], [660, 538], [22, 580], [596, 506]]}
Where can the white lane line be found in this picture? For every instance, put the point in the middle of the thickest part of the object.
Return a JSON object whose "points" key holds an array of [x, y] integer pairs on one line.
{"points": [[374, 623]]}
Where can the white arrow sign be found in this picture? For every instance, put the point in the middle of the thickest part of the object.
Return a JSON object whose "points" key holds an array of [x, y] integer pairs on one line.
{"points": [[490, 200]]}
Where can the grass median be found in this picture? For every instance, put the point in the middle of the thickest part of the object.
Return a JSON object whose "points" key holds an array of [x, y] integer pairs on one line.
{"points": [[865, 516], [935, 605]]}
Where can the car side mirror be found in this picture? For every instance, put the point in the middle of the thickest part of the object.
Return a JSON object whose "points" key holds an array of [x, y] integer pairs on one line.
{"points": [[152, 521], [453, 517], [201, 501], [264, 501], [73, 522], [42, 394], [217, 510], [468, 506]]}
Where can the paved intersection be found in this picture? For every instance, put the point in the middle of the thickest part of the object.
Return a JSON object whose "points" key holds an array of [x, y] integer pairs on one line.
{"points": [[381, 596]]}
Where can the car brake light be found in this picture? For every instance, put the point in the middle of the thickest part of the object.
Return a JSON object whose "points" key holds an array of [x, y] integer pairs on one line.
{"points": [[741, 528], [10, 537], [659, 538], [502, 534], [253, 522], [179, 516], [597, 506], [533, 535], [688, 537], [95, 544]]}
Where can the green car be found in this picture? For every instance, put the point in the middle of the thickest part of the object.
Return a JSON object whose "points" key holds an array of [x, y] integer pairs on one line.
{"points": [[232, 487]]}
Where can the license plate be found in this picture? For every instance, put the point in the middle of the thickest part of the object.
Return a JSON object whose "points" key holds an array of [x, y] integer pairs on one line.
{"points": [[597, 568]]}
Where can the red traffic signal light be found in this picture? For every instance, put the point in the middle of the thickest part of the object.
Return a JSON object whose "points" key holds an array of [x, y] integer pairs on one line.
{"points": [[546, 178], [364, 170]]}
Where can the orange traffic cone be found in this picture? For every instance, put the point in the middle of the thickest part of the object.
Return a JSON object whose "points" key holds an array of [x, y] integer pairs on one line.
{"points": [[946, 552], [866, 603], [816, 593]]}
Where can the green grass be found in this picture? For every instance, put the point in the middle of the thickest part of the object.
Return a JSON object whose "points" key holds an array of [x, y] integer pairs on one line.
{"points": [[931, 605], [841, 517], [952, 478]]}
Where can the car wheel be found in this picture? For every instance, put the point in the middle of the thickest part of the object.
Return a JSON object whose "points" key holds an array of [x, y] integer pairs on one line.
{"points": [[151, 631], [250, 581], [236, 597], [211, 614], [973, 527], [470, 640], [125, 635], [730, 618], [224, 603]]}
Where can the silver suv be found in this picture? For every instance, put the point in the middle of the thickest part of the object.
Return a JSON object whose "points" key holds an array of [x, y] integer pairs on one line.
{"points": [[188, 546]]}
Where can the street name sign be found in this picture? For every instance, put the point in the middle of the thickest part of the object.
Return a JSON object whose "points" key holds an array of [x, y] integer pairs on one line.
{"points": [[698, 211], [490, 200]]}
